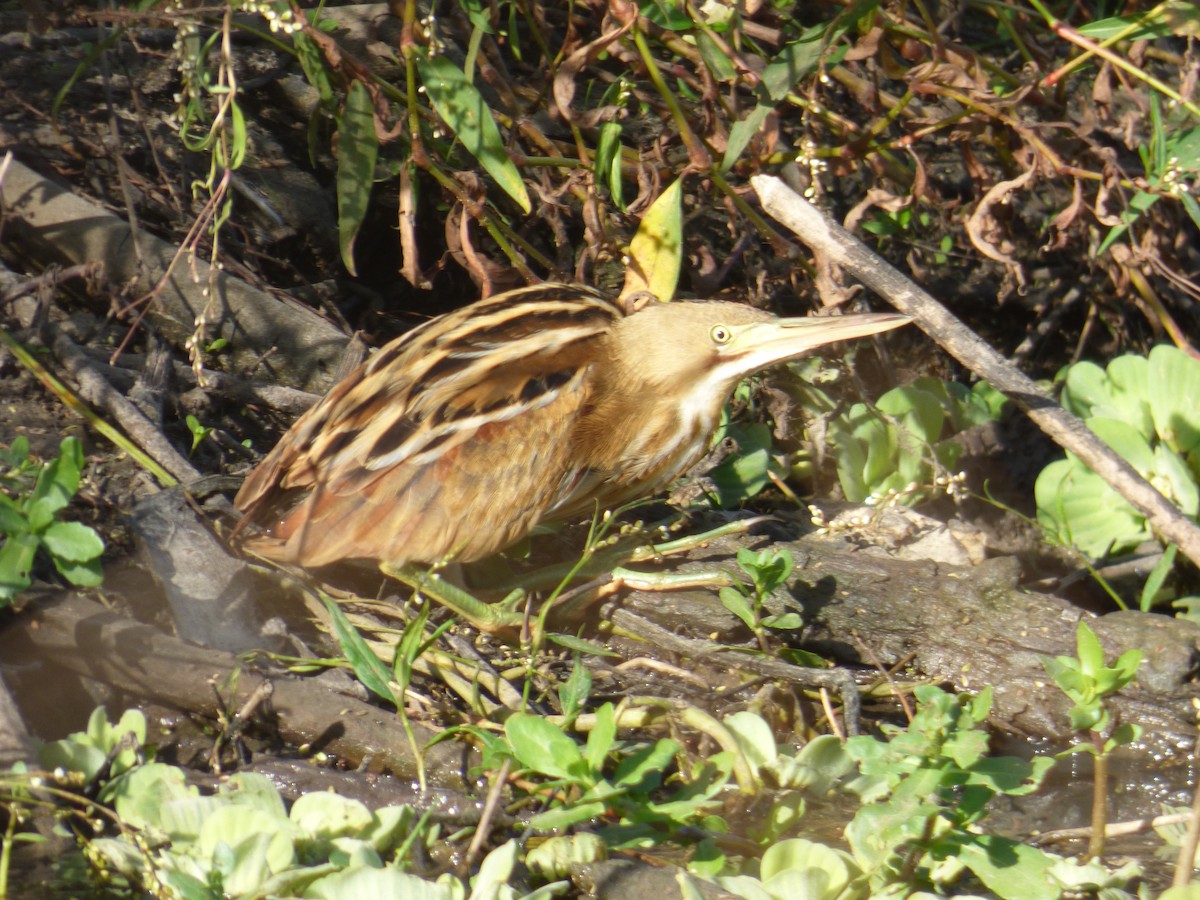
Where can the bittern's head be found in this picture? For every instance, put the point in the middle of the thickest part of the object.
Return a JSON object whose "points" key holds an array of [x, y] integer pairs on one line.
{"points": [[706, 348]]}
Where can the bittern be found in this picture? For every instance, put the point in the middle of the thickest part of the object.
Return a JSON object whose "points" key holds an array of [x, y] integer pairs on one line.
{"points": [[541, 404]]}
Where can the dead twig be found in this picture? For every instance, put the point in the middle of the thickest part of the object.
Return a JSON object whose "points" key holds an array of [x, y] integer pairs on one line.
{"points": [[51, 279], [96, 390], [85, 638], [820, 232]]}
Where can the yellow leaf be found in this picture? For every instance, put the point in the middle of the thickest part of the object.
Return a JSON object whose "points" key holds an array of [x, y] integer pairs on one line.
{"points": [[655, 254]]}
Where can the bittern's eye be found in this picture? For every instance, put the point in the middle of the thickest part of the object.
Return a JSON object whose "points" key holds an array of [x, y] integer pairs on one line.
{"points": [[721, 334]]}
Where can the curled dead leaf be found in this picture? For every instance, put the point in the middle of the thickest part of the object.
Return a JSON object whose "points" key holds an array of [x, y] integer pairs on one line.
{"points": [[984, 230], [1063, 221], [564, 77]]}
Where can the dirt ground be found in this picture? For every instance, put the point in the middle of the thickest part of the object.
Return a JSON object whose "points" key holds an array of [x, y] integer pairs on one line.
{"points": [[109, 141]]}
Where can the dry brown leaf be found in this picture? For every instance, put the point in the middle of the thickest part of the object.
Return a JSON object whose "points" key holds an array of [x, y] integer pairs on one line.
{"points": [[876, 198], [1065, 219], [985, 232], [866, 46], [564, 77], [410, 262]]}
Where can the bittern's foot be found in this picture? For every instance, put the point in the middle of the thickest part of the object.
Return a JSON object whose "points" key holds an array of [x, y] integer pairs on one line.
{"points": [[632, 548], [493, 618], [695, 541], [609, 578], [573, 603]]}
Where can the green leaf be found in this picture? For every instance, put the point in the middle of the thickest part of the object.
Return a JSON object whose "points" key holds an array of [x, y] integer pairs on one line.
{"points": [[607, 163], [1085, 387], [565, 817], [793, 62], [379, 884], [1140, 27], [1173, 386], [740, 134], [543, 748], [737, 603], [1125, 440], [918, 411], [1078, 507], [980, 705], [746, 473], [754, 738], [601, 738], [253, 789], [368, 668], [717, 60], [1129, 391], [1119, 392], [1010, 775], [642, 770], [783, 622], [1174, 480], [11, 520], [804, 658], [140, 796], [323, 816], [73, 541], [260, 845], [558, 857], [1014, 871], [667, 15], [1127, 664], [83, 574], [1124, 734], [1193, 210], [313, 64], [817, 767], [803, 868], [1088, 717], [16, 562], [573, 693], [410, 647], [57, 483], [72, 756], [1088, 650], [655, 253], [463, 109], [1157, 577], [238, 140], [580, 645], [495, 871], [358, 148], [478, 13], [17, 453]]}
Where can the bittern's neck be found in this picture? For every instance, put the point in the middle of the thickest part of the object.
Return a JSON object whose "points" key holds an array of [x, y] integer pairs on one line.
{"points": [[640, 417]]}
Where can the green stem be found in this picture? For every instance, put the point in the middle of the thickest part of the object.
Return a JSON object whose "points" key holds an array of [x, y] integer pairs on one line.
{"points": [[1099, 800], [763, 226], [76, 405], [1185, 861], [705, 723], [408, 48], [696, 150], [6, 850], [1069, 34]]}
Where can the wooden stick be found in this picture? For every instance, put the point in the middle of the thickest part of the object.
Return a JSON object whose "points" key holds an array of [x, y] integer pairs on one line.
{"points": [[823, 234]]}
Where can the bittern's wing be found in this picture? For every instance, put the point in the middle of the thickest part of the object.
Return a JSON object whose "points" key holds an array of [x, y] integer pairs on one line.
{"points": [[453, 440]]}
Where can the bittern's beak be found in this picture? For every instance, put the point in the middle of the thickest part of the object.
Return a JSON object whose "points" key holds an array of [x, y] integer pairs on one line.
{"points": [[762, 344]]}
